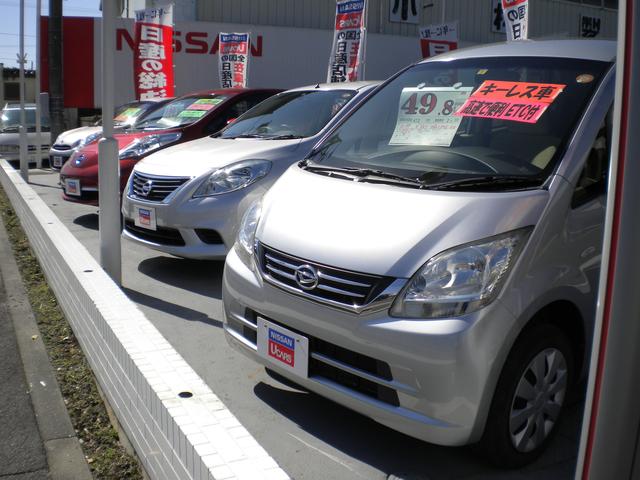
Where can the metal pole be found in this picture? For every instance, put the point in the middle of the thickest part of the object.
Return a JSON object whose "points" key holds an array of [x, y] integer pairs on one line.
{"points": [[609, 445], [56, 85], [363, 41], [38, 109], [444, 10], [108, 163], [24, 158]]}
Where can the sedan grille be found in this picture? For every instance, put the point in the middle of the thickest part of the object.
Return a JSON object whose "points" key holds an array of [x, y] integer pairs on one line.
{"points": [[61, 147], [153, 188], [334, 286]]}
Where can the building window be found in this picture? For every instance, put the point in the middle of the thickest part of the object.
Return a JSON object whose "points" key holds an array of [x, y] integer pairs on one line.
{"points": [[12, 91]]}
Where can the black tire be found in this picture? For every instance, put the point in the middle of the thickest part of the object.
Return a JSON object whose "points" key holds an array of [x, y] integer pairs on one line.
{"points": [[542, 342]]}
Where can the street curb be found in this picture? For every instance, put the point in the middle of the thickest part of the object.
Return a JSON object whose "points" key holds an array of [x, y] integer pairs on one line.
{"points": [[64, 453]]}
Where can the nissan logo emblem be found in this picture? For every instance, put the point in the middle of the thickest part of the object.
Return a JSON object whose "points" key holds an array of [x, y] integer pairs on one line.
{"points": [[146, 187], [306, 277]]}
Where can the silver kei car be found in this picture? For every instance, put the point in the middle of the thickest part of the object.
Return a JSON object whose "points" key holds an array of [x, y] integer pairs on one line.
{"points": [[188, 200], [433, 263]]}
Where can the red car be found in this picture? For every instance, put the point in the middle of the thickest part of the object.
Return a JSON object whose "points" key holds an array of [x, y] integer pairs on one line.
{"points": [[185, 118]]}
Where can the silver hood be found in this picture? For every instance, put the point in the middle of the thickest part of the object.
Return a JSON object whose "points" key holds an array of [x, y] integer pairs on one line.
{"points": [[69, 137], [383, 229], [195, 158]]}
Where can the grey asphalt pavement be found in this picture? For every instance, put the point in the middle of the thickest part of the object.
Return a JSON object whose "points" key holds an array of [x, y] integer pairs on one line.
{"points": [[310, 437]]}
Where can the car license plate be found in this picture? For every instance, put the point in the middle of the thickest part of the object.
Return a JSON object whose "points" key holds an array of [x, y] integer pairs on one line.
{"points": [[145, 217], [282, 347], [57, 161], [72, 187]]}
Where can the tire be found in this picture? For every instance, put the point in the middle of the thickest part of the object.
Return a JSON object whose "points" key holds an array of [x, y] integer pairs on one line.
{"points": [[529, 398]]}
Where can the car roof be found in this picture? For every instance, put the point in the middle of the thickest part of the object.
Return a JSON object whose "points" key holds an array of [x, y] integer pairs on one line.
{"points": [[339, 86], [599, 50], [227, 91]]}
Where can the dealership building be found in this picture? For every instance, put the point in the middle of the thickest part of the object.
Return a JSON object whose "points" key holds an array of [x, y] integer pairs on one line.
{"points": [[291, 39]]}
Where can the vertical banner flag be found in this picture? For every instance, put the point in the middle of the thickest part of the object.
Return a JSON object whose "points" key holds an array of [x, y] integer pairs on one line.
{"points": [[233, 60], [435, 39], [345, 63], [516, 16], [153, 55]]}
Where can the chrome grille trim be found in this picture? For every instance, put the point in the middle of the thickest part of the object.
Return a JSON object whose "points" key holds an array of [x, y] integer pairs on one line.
{"points": [[161, 189], [343, 289]]}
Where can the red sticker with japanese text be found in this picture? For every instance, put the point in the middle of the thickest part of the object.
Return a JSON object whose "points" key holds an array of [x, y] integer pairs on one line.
{"points": [[515, 101]]}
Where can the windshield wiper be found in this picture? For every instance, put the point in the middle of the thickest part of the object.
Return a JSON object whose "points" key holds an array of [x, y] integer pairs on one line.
{"points": [[364, 175], [522, 181], [244, 135], [288, 136]]}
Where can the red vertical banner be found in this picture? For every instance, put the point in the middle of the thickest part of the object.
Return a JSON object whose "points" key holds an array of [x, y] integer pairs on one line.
{"points": [[153, 54], [233, 59], [345, 63]]}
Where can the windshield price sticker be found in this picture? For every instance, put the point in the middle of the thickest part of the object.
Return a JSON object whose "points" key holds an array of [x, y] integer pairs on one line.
{"points": [[191, 113], [426, 116], [516, 101], [204, 104], [128, 113]]}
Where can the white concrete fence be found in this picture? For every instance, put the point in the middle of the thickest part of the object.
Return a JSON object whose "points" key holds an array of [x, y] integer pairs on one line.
{"points": [[140, 373]]}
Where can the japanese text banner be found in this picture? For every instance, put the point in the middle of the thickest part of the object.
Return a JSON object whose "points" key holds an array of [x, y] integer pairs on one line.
{"points": [[233, 60], [516, 18], [346, 53], [514, 101], [153, 55], [440, 38]]}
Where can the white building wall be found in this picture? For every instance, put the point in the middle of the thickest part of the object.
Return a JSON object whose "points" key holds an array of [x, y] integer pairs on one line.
{"points": [[548, 17]]}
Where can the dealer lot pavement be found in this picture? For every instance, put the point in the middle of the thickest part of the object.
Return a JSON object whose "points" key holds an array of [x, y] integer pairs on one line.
{"points": [[310, 437]]}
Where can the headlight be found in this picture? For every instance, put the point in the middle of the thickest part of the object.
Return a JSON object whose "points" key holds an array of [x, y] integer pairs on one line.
{"points": [[144, 145], [88, 140], [233, 177], [247, 231], [460, 280]]}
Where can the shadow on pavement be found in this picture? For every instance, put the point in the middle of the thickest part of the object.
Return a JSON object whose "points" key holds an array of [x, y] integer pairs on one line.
{"points": [[198, 276], [89, 220], [170, 308], [400, 455]]}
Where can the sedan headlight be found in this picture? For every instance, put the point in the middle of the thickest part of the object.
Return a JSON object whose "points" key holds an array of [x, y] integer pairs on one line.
{"points": [[233, 177], [144, 145], [247, 231], [88, 140], [461, 280]]}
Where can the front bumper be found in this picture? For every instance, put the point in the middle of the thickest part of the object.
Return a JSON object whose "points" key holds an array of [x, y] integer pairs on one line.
{"points": [[198, 228], [430, 379], [57, 158]]}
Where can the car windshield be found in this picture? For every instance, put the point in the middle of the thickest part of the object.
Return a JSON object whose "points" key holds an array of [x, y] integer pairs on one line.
{"points": [[495, 121], [290, 115], [127, 114], [179, 112], [10, 120]]}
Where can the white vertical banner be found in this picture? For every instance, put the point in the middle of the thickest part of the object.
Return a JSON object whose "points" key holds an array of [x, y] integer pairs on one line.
{"points": [[516, 18], [233, 60], [437, 39], [346, 60]]}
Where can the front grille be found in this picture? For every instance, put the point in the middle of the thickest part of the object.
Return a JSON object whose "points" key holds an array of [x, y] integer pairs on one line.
{"points": [[318, 349], [161, 235], [61, 147], [351, 289], [153, 188], [208, 236], [43, 148]]}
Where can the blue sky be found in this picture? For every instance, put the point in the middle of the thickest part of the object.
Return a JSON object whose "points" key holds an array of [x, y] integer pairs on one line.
{"points": [[10, 25]]}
